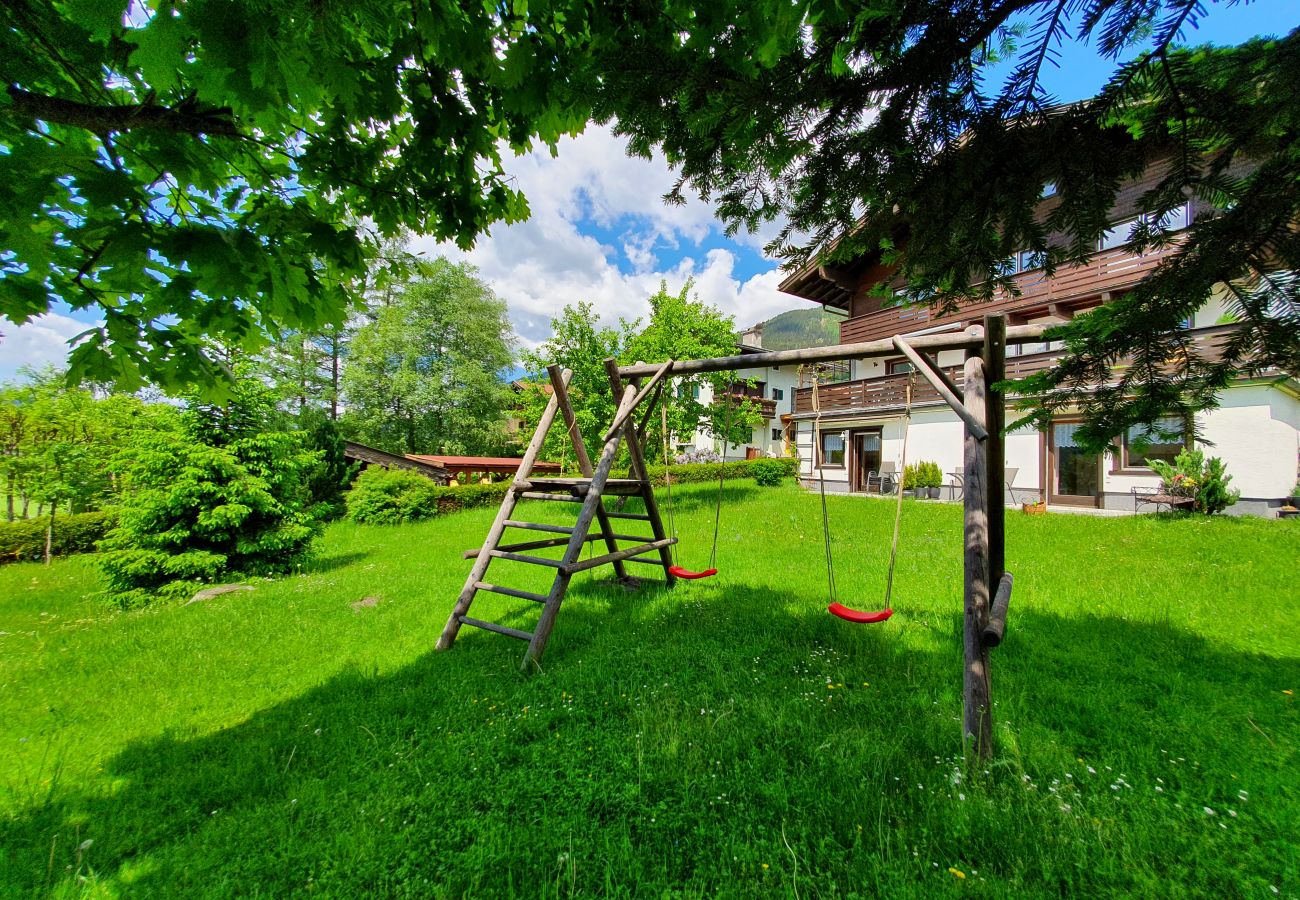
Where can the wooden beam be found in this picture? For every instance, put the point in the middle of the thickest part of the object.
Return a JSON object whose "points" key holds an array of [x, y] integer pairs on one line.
{"points": [[584, 461], [640, 472], [977, 725], [995, 458], [970, 339], [641, 395], [996, 627], [922, 364], [1060, 311]]}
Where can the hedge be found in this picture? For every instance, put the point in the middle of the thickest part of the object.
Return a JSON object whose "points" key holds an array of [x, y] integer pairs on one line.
{"points": [[74, 533], [387, 497]]}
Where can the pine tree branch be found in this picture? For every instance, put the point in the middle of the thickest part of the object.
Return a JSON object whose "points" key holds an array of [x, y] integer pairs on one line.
{"points": [[102, 119]]}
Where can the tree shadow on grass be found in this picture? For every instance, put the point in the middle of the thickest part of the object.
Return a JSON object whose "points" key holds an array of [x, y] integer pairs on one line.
{"points": [[456, 775], [328, 563]]}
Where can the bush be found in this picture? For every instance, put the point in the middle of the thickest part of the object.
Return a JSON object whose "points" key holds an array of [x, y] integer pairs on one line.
{"points": [[1192, 475], [769, 472], [389, 496], [75, 533], [924, 474], [196, 513]]}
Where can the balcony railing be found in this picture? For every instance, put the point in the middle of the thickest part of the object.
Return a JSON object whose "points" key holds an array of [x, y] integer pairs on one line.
{"points": [[765, 406], [890, 391], [1109, 270]]}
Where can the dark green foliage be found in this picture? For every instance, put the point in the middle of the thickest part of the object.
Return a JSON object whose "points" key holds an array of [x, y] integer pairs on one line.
{"points": [[796, 329], [75, 533], [197, 513], [770, 472], [332, 474], [1192, 475], [389, 496]]}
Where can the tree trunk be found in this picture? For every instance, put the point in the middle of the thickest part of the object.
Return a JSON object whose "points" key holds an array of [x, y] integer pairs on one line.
{"points": [[49, 533], [9, 497], [334, 375]]}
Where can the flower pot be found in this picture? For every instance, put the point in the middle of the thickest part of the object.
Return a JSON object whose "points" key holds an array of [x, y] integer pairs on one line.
{"points": [[1033, 509], [1285, 513], [932, 493]]}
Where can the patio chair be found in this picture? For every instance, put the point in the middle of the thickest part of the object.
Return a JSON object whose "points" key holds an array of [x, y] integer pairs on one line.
{"points": [[885, 480], [1008, 481]]}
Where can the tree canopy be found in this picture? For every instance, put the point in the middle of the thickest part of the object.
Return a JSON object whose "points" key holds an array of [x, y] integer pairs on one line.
{"points": [[220, 168]]}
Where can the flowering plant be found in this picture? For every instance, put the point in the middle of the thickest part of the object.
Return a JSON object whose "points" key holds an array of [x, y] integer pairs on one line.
{"points": [[1203, 480]]}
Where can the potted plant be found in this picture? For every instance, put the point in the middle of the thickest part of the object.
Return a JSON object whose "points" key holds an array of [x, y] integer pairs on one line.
{"points": [[929, 477], [912, 481], [1034, 507]]}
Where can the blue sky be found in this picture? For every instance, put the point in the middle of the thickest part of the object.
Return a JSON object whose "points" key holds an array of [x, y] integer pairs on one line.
{"points": [[599, 231]]}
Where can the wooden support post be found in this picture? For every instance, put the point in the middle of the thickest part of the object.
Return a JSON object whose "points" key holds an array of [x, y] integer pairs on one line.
{"points": [[996, 627], [584, 463], [995, 370], [977, 725], [449, 631], [640, 472]]}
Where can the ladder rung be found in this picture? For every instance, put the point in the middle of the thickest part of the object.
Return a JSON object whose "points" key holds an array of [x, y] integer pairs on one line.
{"points": [[499, 629], [561, 498], [523, 558], [645, 562], [537, 545], [509, 592], [640, 517], [583, 565], [630, 537], [538, 526]]}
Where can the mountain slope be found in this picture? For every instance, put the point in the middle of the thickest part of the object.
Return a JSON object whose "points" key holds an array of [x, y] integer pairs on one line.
{"points": [[799, 328]]}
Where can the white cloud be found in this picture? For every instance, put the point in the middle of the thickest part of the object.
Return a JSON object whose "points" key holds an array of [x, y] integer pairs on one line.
{"points": [[40, 342], [542, 264]]}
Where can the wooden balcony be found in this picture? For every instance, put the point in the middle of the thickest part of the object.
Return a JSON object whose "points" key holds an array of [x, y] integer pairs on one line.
{"points": [[889, 392], [1110, 271], [765, 406]]}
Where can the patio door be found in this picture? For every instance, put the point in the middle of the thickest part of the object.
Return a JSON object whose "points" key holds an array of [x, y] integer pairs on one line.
{"points": [[1073, 476], [867, 450]]}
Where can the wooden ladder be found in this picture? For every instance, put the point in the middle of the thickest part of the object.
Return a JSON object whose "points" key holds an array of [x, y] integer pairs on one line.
{"points": [[587, 491]]}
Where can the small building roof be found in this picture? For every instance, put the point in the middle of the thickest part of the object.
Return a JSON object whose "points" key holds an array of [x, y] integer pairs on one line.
{"points": [[480, 463]]}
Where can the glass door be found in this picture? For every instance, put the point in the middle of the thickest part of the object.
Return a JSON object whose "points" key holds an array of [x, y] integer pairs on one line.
{"points": [[1074, 477], [866, 456]]}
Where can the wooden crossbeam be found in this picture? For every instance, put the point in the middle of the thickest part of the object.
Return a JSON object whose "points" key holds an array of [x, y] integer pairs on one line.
{"points": [[641, 395], [941, 384]]}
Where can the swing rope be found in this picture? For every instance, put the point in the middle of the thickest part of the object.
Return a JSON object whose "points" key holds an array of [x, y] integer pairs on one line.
{"points": [[676, 568], [668, 483], [836, 608]]}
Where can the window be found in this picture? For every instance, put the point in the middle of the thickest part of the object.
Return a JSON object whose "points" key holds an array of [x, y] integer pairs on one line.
{"points": [[898, 367], [1121, 233], [1031, 259], [1049, 190], [687, 389], [1163, 440], [778, 394], [833, 448], [777, 434]]}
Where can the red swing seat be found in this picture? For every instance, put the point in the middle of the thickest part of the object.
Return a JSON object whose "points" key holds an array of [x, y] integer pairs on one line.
{"points": [[860, 617], [679, 572]]}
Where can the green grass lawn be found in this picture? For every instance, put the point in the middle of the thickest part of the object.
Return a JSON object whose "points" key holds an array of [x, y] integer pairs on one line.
{"points": [[728, 738]]}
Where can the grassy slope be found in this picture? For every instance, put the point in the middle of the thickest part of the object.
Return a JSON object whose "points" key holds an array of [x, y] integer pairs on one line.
{"points": [[798, 328], [729, 738]]}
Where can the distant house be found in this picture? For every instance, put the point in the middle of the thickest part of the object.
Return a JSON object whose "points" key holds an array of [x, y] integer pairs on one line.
{"points": [[1255, 430], [372, 456], [770, 388]]}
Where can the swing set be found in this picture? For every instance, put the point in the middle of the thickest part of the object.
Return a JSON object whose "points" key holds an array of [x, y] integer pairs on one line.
{"points": [[977, 401]]}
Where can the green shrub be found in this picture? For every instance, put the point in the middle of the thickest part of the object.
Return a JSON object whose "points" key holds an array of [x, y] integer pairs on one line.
{"points": [[924, 474], [769, 472], [388, 496], [197, 513], [734, 469], [75, 533], [1192, 475]]}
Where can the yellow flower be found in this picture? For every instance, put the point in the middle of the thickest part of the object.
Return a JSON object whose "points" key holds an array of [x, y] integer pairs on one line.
{"points": [[1289, 693], [958, 873], [764, 865]]}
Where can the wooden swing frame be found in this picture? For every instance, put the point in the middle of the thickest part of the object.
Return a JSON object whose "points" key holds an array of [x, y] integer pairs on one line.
{"points": [[986, 588]]}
